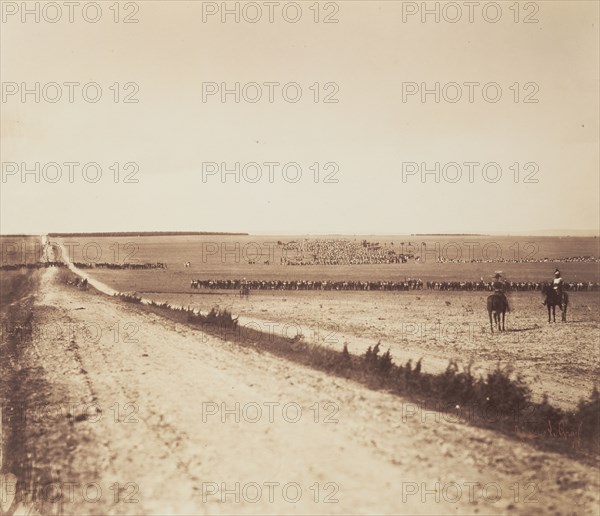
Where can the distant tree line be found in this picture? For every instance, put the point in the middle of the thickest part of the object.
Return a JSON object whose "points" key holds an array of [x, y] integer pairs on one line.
{"points": [[145, 234]]}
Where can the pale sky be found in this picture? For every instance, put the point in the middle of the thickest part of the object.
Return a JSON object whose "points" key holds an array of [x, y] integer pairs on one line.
{"points": [[369, 133]]}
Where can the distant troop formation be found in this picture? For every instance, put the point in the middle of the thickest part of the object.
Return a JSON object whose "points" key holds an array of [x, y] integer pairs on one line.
{"points": [[569, 259], [105, 265], [354, 252], [82, 265], [339, 252], [35, 265], [81, 283], [409, 284], [519, 286]]}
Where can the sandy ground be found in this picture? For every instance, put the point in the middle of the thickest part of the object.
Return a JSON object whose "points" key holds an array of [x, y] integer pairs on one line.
{"points": [[166, 419], [561, 360]]}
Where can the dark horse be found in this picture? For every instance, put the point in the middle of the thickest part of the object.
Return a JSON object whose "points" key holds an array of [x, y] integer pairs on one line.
{"points": [[244, 291], [496, 305], [552, 300]]}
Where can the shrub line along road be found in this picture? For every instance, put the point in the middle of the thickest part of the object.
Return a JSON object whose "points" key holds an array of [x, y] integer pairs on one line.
{"points": [[563, 388], [373, 459]]}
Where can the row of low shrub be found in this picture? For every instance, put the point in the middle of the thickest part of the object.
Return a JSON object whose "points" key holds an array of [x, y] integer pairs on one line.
{"points": [[220, 318], [500, 397], [129, 298], [216, 318]]}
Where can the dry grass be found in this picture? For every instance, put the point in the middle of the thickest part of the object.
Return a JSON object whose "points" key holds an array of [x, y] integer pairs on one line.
{"points": [[500, 392]]}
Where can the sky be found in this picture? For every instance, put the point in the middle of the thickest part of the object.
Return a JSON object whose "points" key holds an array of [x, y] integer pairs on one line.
{"points": [[524, 161]]}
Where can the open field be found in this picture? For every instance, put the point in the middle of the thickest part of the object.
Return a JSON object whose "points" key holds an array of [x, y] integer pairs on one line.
{"points": [[558, 360], [161, 374], [561, 360], [215, 257], [19, 249]]}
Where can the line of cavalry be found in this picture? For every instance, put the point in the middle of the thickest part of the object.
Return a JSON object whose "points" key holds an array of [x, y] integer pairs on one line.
{"points": [[83, 265], [409, 284], [555, 293]]}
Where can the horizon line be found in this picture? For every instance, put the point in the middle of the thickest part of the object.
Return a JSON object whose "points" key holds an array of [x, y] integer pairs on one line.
{"points": [[541, 233]]}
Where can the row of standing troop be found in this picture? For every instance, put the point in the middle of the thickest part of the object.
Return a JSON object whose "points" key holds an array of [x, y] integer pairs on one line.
{"points": [[498, 284]]}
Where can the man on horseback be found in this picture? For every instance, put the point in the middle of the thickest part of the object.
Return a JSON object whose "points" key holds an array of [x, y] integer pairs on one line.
{"points": [[498, 287], [556, 296], [558, 283], [557, 286]]}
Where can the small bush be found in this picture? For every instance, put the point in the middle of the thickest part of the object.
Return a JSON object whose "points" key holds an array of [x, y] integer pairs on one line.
{"points": [[129, 298], [346, 359], [218, 318], [505, 394], [454, 385], [587, 418]]}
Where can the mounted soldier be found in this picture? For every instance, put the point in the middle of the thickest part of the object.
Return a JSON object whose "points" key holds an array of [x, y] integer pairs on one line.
{"points": [[558, 285], [498, 286], [556, 296]]}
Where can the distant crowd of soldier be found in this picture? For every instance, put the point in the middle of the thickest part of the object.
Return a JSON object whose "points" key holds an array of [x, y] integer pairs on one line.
{"points": [[339, 252], [354, 252], [33, 265], [127, 266], [408, 284], [83, 265], [569, 259], [520, 286]]}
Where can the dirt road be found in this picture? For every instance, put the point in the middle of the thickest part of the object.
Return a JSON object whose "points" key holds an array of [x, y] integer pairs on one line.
{"points": [[560, 360], [142, 415]]}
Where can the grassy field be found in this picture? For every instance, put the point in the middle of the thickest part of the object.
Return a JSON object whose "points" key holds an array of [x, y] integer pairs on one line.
{"points": [[190, 248], [559, 359], [16, 250], [170, 356], [226, 257], [19, 249]]}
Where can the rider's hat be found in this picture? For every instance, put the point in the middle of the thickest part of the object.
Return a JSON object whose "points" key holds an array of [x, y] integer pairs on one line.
{"points": [[497, 275], [557, 272]]}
